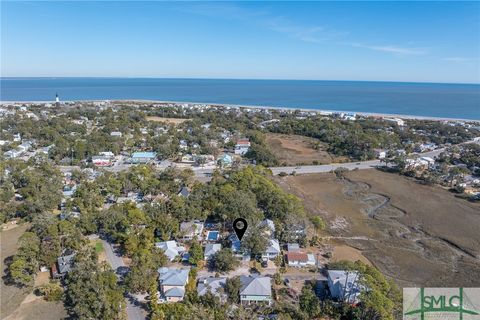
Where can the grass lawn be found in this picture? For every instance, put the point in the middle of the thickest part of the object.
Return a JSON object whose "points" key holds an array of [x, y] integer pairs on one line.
{"points": [[98, 247]]}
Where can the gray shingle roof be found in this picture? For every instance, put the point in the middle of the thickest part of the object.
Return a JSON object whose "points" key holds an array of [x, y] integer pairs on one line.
{"points": [[212, 248], [214, 285], [256, 286], [65, 263]]}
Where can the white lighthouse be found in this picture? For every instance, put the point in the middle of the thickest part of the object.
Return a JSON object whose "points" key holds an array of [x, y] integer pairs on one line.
{"points": [[57, 100]]}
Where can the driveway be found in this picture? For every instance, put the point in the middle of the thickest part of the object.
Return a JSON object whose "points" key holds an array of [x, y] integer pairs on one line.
{"points": [[115, 260]]}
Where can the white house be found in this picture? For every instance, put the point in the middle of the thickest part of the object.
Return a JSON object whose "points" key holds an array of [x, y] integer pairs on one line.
{"points": [[242, 146], [272, 251], [380, 153], [25, 146], [183, 145], [211, 249], [255, 289], [170, 248], [108, 154], [101, 161], [300, 259], [191, 229], [344, 285], [399, 122], [14, 153], [116, 134]]}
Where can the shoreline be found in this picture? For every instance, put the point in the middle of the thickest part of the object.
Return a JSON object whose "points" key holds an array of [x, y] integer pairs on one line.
{"points": [[213, 104]]}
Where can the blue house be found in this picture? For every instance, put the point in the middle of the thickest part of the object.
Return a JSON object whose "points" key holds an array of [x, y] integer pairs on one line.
{"points": [[225, 160]]}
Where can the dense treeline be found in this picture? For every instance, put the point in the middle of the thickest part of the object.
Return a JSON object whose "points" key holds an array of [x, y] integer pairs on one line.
{"points": [[358, 139], [355, 139], [37, 183]]}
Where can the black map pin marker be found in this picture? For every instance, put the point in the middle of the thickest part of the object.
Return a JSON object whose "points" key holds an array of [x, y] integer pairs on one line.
{"points": [[240, 226]]}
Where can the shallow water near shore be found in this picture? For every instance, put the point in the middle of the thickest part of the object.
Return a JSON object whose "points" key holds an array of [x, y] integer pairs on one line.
{"points": [[417, 99]]}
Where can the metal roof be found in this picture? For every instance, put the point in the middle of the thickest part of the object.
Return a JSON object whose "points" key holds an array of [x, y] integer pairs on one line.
{"points": [[256, 286]]}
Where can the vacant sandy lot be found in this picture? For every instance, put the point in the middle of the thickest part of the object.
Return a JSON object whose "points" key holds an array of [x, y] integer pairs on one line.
{"points": [[174, 121], [39, 309], [295, 150], [11, 296], [419, 235]]}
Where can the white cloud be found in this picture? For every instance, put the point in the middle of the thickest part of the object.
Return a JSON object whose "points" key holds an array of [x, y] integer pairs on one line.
{"points": [[393, 49]]}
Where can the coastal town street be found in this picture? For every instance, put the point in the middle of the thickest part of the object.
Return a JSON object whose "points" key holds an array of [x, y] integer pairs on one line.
{"points": [[134, 312]]}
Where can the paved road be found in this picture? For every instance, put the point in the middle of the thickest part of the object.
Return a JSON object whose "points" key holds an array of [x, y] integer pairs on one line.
{"points": [[350, 165], [133, 312], [204, 173]]}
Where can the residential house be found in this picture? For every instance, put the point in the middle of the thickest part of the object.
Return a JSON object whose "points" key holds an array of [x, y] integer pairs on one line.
{"points": [[172, 283], [380, 153], [215, 286], [108, 154], [344, 285], [242, 146], [101, 161], [225, 160], [69, 190], [255, 289], [25, 146], [183, 145], [273, 250], [170, 248], [206, 126], [236, 244], [399, 122], [117, 134], [188, 158], [300, 259], [184, 192], [63, 266], [211, 249], [14, 153], [191, 229]]}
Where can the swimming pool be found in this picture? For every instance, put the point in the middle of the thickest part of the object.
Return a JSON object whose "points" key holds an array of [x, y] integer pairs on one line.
{"points": [[213, 235]]}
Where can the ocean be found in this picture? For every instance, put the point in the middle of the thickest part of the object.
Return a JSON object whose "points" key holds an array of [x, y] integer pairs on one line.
{"points": [[417, 99]]}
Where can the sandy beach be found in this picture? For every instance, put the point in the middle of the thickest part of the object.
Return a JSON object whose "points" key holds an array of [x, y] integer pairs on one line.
{"points": [[320, 111]]}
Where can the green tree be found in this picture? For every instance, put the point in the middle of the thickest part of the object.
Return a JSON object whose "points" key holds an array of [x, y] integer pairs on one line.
{"points": [[318, 223], [195, 253], [255, 242], [92, 293], [224, 260], [24, 266], [232, 288], [52, 291], [309, 301]]}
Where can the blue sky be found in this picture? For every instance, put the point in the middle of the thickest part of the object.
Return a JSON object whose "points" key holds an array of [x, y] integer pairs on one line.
{"points": [[384, 41]]}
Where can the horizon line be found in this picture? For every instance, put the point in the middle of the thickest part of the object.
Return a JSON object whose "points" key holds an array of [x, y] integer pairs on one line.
{"points": [[220, 78]]}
